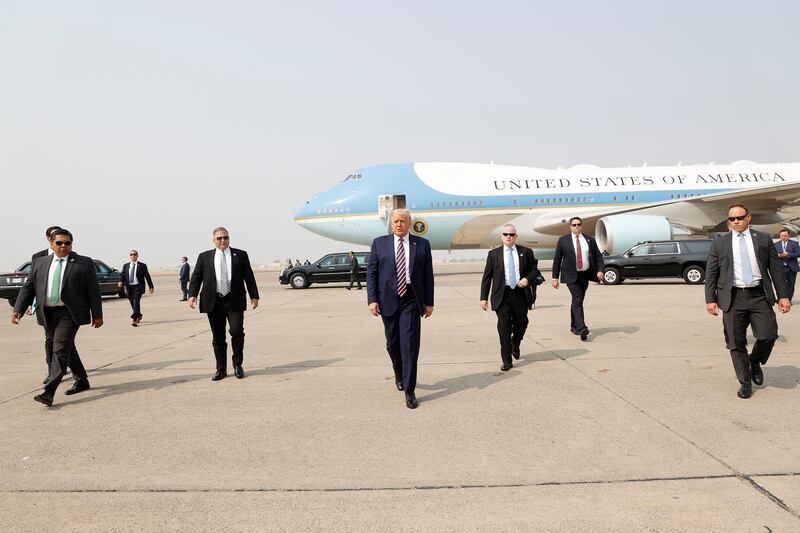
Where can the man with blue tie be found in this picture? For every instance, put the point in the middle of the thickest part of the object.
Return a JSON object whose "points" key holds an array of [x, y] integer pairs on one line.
{"points": [[788, 251], [511, 272], [742, 268], [400, 290]]}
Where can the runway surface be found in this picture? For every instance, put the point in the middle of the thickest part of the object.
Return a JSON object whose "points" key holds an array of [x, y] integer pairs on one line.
{"points": [[637, 429]]}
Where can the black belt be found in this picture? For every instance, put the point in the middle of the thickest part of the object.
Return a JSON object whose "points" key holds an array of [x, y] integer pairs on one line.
{"points": [[746, 289]]}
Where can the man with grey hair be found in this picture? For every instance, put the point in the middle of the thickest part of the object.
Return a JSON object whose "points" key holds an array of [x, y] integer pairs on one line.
{"points": [[223, 273], [400, 291], [511, 272]]}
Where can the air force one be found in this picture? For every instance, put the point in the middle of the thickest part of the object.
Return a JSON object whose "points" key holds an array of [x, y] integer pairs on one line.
{"points": [[465, 205]]}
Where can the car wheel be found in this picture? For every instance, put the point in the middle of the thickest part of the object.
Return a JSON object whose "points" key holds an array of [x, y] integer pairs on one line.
{"points": [[611, 276], [298, 281], [694, 275]]}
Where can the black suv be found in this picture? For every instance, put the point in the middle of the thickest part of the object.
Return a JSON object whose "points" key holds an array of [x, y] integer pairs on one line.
{"points": [[660, 259], [330, 268], [12, 282]]}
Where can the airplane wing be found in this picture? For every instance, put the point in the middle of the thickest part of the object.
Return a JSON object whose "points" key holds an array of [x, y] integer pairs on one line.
{"points": [[767, 198]]}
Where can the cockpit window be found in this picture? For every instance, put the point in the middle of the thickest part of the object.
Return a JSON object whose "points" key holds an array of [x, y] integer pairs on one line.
{"points": [[353, 177]]}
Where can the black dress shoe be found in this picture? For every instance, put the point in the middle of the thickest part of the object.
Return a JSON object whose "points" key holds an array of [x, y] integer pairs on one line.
{"points": [[745, 391], [44, 398], [506, 367], [348, 288], [411, 400], [399, 384], [758, 374], [574, 331], [515, 352], [79, 386], [238, 371], [219, 375], [584, 333]]}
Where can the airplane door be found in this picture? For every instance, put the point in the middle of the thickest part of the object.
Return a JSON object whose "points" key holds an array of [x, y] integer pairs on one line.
{"points": [[387, 202]]}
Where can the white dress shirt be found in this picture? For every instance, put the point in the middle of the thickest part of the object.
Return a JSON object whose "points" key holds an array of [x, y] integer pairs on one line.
{"points": [[737, 259], [505, 262], [584, 252], [227, 254], [405, 244], [132, 273], [50, 275]]}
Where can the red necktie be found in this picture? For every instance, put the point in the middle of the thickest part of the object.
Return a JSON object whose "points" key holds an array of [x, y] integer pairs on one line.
{"points": [[580, 252]]}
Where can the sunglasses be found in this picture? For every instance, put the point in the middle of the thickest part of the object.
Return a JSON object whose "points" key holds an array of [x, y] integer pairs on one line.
{"points": [[576, 225], [132, 255], [509, 234], [741, 217], [63, 243], [225, 238]]}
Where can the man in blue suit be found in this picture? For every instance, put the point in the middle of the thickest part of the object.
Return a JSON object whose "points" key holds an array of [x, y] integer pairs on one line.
{"points": [[184, 278], [788, 251], [400, 290]]}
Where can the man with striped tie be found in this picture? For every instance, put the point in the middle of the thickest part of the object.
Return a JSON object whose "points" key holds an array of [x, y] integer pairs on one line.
{"points": [[223, 273], [65, 285], [743, 266], [400, 290]]}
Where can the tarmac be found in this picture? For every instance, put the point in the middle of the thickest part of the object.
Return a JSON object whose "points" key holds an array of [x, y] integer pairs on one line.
{"points": [[636, 429]]}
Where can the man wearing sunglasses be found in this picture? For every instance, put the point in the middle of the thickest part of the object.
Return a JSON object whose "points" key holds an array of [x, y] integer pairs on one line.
{"points": [[132, 280], [577, 260], [742, 268], [65, 285], [511, 272], [223, 273]]}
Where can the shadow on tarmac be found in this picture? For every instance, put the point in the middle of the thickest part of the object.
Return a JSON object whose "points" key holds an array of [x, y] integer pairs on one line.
{"points": [[781, 377]]}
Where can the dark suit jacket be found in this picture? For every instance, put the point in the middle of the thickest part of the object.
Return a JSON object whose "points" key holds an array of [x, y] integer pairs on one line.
{"points": [[42, 253], [564, 259], [241, 275], [382, 273], [494, 275], [353, 265], [719, 269], [184, 275], [142, 275], [794, 251], [80, 291]]}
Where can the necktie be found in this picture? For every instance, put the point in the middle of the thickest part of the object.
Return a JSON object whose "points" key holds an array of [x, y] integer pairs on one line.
{"points": [[401, 269], [747, 269], [132, 273], [512, 273], [579, 251], [55, 290], [224, 286]]}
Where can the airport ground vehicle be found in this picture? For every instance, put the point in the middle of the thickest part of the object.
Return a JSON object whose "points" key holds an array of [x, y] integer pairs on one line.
{"points": [[328, 269], [12, 282], [660, 259]]}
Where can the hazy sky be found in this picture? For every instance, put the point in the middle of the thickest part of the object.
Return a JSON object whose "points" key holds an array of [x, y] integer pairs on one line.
{"points": [[145, 124]]}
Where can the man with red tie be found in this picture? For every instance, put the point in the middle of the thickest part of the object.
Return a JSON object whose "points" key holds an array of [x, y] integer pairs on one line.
{"points": [[577, 261], [400, 290]]}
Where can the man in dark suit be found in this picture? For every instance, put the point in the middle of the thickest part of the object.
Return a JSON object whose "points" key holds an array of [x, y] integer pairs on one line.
{"points": [[223, 273], [400, 290], [577, 260], [353, 271], [132, 280], [65, 284], [742, 268], [184, 278], [511, 272], [788, 251]]}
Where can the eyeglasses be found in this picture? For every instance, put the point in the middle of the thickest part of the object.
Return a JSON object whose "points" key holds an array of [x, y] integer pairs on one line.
{"points": [[132, 254], [509, 234], [741, 217], [223, 238], [63, 243], [576, 225]]}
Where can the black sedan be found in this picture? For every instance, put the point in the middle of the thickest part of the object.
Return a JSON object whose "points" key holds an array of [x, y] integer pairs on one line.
{"points": [[660, 259], [11, 282], [329, 269]]}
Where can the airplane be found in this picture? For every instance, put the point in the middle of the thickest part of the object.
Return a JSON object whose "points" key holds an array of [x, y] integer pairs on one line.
{"points": [[465, 205]]}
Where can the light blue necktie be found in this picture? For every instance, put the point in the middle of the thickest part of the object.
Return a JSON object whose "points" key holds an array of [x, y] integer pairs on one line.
{"points": [[747, 269], [512, 274]]}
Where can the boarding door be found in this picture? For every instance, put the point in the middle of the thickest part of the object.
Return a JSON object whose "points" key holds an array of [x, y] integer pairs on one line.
{"points": [[388, 202]]}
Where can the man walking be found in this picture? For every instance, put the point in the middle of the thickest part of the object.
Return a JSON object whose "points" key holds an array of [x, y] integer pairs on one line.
{"points": [[223, 273], [133, 277], [184, 278], [511, 272], [742, 268], [353, 270], [788, 251], [400, 290], [577, 260], [65, 284]]}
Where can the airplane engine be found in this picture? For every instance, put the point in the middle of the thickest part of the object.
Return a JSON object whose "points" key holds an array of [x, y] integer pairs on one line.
{"points": [[617, 233]]}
